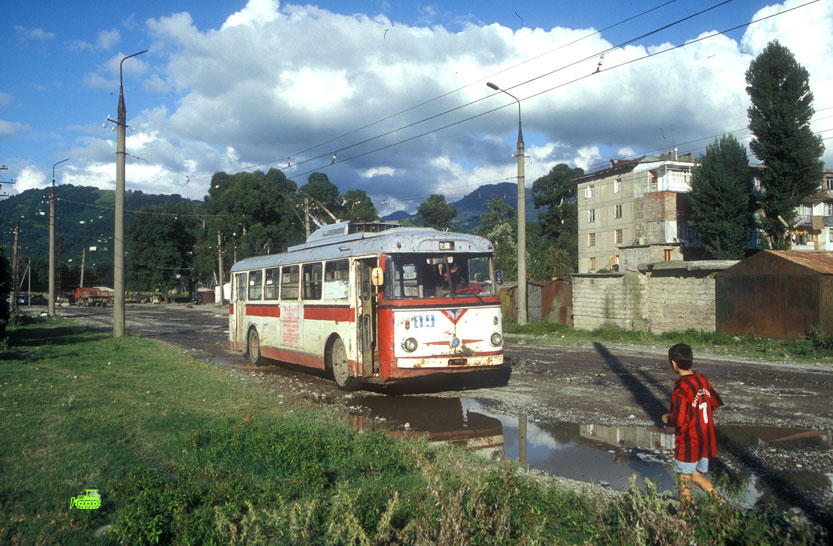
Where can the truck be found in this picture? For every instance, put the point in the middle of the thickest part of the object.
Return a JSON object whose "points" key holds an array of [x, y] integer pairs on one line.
{"points": [[93, 296]]}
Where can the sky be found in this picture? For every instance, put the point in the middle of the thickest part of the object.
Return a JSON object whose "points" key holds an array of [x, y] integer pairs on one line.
{"points": [[384, 96]]}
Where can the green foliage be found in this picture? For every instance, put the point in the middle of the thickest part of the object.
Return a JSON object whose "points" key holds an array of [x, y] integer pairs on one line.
{"points": [[557, 192], [159, 243], [436, 212], [358, 207], [779, 117], [320, 188], [720, 195], [500, 226]]}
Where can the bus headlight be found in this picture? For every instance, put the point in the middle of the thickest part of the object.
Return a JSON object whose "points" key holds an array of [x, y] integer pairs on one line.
{"points": [[410, 344], [496, 339]]}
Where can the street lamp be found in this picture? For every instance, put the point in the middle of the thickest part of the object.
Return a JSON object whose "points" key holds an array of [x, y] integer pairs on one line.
{"points": [[521, 213], [118, 258], [51, 305]]}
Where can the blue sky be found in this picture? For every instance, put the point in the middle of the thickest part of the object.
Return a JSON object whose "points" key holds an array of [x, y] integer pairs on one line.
{"points": [[241, 86]]}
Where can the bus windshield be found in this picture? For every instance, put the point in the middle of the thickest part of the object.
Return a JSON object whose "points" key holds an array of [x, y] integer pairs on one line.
{"points": [[438, 276]]}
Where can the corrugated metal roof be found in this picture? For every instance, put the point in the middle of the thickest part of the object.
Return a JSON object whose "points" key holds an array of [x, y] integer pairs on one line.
{"points": [[817, 261]]}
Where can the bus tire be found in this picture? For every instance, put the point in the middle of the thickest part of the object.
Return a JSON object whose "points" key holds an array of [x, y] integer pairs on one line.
{"points": [[253, 348], [339, 366]]}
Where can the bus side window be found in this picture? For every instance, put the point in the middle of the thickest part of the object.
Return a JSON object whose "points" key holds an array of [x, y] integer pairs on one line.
{"points": [[312, 281], [289, 283], [255, 284], [337, 280], [240, 288], [270, 291]]}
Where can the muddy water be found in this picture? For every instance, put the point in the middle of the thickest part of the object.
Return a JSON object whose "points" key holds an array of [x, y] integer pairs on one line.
{"points": [[608, 455]]}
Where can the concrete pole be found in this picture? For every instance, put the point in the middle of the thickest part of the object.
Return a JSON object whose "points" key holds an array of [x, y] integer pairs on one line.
{"points": [[522, 316], [220, 263], [51, 303], [118, 239], [15, 306], [83, 260]]}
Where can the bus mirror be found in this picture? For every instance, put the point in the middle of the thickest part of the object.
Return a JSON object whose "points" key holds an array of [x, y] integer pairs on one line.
{"points": [[377, 276]]}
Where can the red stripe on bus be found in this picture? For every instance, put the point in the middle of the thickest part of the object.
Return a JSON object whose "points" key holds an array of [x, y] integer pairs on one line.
{"points": [[263, 311], [302, 359], [345, 314]]}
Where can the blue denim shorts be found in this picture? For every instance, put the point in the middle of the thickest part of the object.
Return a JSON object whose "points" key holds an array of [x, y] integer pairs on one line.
{"points": [[701, 466]]}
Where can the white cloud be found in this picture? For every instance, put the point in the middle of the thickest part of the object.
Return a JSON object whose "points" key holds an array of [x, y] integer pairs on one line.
{"points": [[108, 38], [12, 128], [5, 99], [37, 34], [285, 81], [30, 177], [378, 171]]}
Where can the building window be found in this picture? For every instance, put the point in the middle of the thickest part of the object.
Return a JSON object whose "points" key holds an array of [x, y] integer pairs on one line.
{"points": [[591, 215], [617, 211], [591, 239], [617, 185], [589, 191], [618, 237], [666, 254], [614, 263], [828, 182], [828, 209], [592, 264]]}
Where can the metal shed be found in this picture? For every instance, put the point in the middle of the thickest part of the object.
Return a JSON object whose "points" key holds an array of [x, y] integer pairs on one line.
{"points": [[776, 293], [546, 301]]}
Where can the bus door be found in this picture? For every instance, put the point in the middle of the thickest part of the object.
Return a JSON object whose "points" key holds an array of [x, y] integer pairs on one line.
{"points": [[240, 286], [366, 317]]}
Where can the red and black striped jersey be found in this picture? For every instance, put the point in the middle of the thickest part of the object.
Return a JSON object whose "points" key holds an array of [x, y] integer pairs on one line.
{"points": [[692, 402]]}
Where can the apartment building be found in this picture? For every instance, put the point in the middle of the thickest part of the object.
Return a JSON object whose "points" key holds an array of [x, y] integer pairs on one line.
{"points": [[634, 211], [813, 230]]}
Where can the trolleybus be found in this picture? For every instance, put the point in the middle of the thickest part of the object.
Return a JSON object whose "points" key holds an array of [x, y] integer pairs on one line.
{"points": [[371, 302]]}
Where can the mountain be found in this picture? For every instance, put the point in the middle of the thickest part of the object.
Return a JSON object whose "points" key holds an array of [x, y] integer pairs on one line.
{"points": [[84, 216], [471, 207]]}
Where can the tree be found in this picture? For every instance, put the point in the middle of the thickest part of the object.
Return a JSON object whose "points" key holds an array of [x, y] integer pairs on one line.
{"points": [[159, 248], [358, 207], [721, 187], [500, 226], [320, 188], [557, 191], [436, 212], [779, 117]]}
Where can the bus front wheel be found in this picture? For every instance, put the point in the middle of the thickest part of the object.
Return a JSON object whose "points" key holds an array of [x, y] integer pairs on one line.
{"points": [[254, 348], [340, 366]]}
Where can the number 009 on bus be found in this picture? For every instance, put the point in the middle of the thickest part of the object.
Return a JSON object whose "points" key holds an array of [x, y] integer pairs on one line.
{"points": [[372, 302]]}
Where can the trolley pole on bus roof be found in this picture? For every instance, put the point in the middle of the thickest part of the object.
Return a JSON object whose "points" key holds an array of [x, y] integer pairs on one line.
{"points": [[521, 213], [118, 243]]}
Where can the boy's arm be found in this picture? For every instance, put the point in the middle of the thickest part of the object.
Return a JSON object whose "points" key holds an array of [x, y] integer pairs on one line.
{"points": [[677, 417]]}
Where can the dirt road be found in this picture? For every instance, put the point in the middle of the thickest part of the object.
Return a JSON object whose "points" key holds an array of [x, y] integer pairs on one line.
{"points": [[777, 419]]}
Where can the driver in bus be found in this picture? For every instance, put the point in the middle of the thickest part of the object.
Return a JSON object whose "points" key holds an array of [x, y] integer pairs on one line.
{"points": [[456, 276]]}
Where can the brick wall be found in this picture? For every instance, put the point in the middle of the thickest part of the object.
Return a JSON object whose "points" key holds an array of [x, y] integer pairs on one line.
{"points": [[658, 298]]}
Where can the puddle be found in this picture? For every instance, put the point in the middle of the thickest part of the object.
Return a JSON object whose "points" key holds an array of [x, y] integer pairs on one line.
{"points": [[609, 455]]}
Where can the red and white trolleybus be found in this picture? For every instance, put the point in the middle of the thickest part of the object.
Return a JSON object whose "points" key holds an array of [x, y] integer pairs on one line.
{"points": [[373, 302]]}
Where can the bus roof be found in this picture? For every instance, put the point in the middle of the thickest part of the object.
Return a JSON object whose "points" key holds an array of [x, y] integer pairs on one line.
{"points": [[345, 239]]}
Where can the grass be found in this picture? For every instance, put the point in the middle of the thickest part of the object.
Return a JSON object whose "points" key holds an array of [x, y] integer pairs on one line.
{"points": [[185, 452], [816, 346]]}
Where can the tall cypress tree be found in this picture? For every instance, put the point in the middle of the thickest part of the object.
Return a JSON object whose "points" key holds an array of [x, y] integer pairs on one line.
{"points": [[721, 188], [779, 117]]}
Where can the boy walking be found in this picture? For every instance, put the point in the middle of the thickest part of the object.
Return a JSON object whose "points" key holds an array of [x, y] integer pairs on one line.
{"points": [[692, 402]]}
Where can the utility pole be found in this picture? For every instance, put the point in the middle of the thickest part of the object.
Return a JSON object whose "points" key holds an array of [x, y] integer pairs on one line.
{"points": [[83, 259], [220, 260], [29, 279], [59, 266], [522, 315], [118, 258], [51, 303], [15, 306]]}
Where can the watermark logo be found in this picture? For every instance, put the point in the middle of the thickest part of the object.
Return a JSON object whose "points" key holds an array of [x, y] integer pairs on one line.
{"points": [[90, 500]]}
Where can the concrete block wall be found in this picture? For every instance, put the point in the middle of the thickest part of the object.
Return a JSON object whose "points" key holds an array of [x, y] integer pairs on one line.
{"points": [[645, 301]]}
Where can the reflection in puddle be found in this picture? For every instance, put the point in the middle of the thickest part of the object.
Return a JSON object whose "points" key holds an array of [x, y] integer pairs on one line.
{"points": [[609, 455]]}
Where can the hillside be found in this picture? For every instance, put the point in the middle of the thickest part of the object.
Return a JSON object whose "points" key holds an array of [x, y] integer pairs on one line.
{"points": [[83, 216], [471, 207]]}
